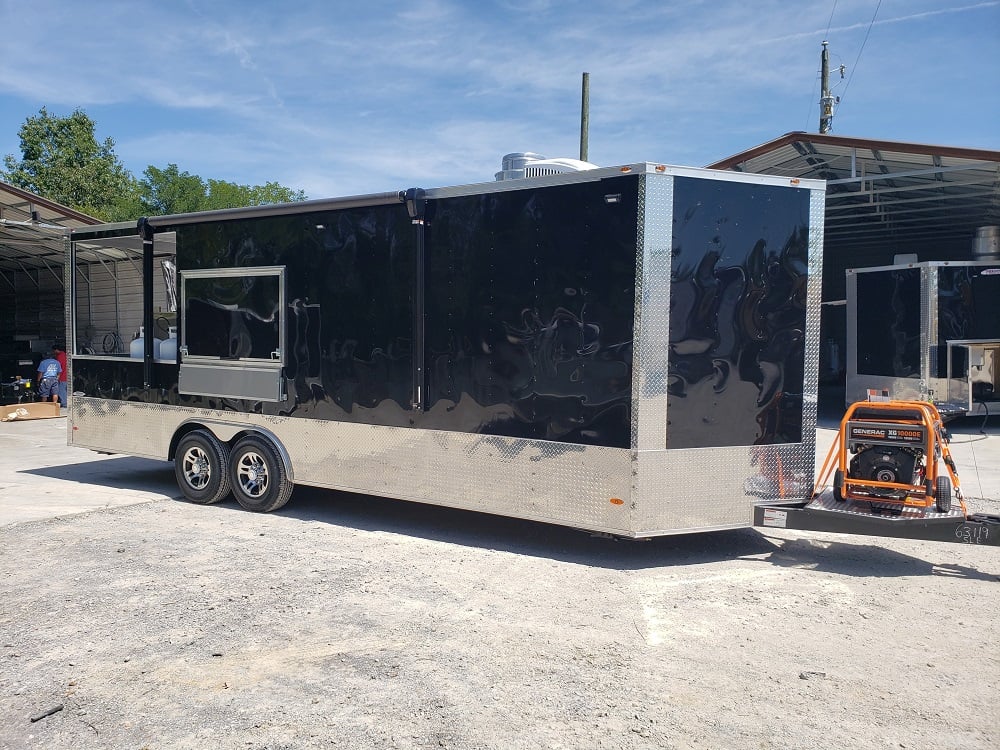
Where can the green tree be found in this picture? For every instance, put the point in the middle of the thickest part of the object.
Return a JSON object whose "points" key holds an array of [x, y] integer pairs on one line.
{"points": [[62, 160], [222, 194], [170, 191]]}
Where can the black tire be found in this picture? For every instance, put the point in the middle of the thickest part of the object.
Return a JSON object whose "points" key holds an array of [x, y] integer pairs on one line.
{"points": [[257, 475], [838, 486], [942, 497], [201, 466]]}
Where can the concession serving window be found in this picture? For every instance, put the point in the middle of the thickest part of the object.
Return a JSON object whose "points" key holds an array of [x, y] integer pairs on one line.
{"points": [[232, 334]]}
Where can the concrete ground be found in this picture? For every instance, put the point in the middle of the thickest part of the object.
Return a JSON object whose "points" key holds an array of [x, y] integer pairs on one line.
{"points": [[42, 477], [129, 620]]}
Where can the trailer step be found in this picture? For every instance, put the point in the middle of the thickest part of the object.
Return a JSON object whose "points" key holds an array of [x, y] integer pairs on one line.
{"points": [[824, 513]]}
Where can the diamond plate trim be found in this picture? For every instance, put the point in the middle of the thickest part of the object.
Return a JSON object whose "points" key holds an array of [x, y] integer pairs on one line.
{"points": [[637, 306], [559, 483], [653, 314], [928, 324], [888, 511]]}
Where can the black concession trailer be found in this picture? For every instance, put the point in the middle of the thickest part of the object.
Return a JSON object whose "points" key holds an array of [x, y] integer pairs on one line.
{"points": [[629, 350]]}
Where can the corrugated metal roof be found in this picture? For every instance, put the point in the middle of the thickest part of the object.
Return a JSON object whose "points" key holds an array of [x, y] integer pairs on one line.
{"points": [[887, 196], [32, 229]]}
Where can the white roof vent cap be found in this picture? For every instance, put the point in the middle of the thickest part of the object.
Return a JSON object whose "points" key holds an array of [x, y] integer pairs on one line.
{"points": [[522, 164]]}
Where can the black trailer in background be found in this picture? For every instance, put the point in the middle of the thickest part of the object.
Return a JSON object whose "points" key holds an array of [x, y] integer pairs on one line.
{"points": [[928, 331]]}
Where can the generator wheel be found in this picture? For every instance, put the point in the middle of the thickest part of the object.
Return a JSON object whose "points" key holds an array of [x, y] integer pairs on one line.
{"points": [[838, 486], [257, 473], [200, 467], [942, 498]]}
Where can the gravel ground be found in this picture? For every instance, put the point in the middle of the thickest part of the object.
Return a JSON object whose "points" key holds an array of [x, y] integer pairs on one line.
{"points": [[355, 622]]}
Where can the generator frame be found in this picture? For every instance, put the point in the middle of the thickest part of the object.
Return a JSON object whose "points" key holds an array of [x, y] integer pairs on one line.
{"points": [[906, 424]]}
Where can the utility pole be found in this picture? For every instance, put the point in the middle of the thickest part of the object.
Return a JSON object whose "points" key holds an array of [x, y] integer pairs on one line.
{"points": [[585, 119], [826, 98]]}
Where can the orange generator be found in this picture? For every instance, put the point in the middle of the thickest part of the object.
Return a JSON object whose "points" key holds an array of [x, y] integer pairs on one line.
{"points": [[898, 455]]}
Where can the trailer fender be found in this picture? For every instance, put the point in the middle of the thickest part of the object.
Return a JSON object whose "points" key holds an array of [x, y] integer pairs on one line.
{"points": [[229, 433]]}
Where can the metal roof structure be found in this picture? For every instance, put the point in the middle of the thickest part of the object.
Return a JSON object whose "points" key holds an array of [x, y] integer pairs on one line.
{"points": [[887, 197], [32, 230]]}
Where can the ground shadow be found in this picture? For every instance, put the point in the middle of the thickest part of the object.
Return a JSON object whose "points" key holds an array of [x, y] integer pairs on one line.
{"points": [[533, 538], [121, 472], [537, 539], [451, 525], [865, 560]]}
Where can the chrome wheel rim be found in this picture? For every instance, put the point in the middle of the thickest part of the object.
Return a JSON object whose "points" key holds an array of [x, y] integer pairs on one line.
{"points": [[196, 467], [251, 473]]}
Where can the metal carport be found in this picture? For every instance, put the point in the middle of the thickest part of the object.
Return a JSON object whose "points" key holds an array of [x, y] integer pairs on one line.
{"points": [[32, 276]]}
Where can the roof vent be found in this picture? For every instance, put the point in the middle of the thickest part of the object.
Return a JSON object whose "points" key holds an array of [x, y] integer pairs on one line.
{"points": [[986, 245], [522, 164]]}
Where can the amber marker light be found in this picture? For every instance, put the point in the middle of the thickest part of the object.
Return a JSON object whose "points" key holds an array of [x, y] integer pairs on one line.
{"points": [[794, 181], [617, 501], [660, 168], [625, 170]]}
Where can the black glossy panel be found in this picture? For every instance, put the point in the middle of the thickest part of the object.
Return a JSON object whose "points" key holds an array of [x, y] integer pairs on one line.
{"points": [[348, 314], [968, 307], [888, 323], [122, 380], [737, 314], [530, 310]]}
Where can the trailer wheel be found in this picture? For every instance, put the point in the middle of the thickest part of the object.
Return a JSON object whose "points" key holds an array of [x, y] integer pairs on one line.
{"points": [[201, 467], [942, 498], [258, 475], [838, 486]]}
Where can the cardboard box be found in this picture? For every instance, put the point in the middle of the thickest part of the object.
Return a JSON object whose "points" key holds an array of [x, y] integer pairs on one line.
{"points": [[23, 412]]}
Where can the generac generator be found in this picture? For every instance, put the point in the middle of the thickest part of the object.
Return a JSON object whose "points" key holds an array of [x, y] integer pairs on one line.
{"points": [[892, 452]]}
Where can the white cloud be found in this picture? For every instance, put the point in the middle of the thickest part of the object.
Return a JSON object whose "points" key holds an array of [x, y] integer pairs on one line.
{"points": [[323, 95]]}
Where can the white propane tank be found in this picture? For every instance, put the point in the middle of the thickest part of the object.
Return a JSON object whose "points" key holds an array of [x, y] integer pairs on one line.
{"points": [[168, 347], [138, 346]]}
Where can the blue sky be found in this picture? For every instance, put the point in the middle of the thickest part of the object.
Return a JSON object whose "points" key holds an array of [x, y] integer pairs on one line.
{"points": [[343, 98]]}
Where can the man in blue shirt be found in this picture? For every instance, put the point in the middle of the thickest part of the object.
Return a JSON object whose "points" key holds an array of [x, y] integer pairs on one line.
{"points": [[48, 379]]}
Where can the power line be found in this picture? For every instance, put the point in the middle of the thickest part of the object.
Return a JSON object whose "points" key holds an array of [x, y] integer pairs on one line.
{"points": [[863, 43], [830, 22]]}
